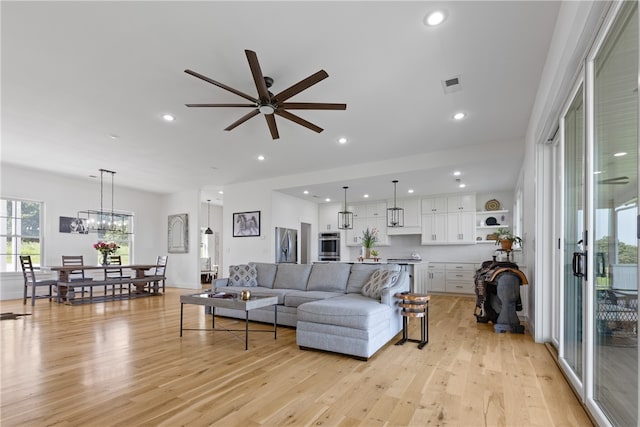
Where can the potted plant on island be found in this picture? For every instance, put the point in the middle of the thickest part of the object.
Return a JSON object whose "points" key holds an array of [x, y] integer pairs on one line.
{"points": [[369, 238], [506, 238]]}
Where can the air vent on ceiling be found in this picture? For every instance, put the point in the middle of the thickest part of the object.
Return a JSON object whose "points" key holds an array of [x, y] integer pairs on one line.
{"points": [[453, 84]]}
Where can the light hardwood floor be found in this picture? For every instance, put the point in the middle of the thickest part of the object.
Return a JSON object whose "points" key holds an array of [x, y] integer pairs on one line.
{"points": [[124, 364]]}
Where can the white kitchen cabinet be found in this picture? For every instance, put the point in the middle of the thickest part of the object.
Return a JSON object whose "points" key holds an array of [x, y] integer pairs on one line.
{"points": [[434, 229], [328, 217], [461, 227], [436, 277], [461, 203], [376, 210], [359, 211], [433, 205], [354, 235], [412, 217], [379, 224], [459, 278]]}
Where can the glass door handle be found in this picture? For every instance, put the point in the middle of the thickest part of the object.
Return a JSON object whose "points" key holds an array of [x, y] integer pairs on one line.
{"points": [[576, 264]]}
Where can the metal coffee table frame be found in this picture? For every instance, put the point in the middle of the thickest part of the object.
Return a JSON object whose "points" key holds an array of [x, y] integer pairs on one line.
{"points": [[209, 300]]}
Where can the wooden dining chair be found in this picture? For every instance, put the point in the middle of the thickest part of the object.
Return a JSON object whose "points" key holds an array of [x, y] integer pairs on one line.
{"points": [[77, 275], [115, 272], [159, 274], [30, 280]]}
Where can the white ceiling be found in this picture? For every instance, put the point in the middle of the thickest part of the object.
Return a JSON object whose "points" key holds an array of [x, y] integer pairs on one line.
{"points": [[74, 73]]}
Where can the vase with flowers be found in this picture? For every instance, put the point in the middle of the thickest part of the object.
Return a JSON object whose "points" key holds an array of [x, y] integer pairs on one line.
{"points": [[369, 239], [105, 249]]}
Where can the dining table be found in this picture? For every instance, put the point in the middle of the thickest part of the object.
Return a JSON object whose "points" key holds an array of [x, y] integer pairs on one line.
{"points": [[65, 284]]}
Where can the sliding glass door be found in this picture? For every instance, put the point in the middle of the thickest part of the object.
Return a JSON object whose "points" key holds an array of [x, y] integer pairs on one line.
{"points": [[573, 243], [614, 209]]}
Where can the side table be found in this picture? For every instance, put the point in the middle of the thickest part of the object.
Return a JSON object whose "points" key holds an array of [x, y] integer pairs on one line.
{"points": [[414, 305]]}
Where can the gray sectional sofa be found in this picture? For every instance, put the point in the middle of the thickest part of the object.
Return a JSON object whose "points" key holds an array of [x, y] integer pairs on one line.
{"points": [[338, 307]]}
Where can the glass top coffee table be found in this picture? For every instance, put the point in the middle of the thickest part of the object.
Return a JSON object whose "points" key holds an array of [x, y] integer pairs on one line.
{"points": [[233, 301]]}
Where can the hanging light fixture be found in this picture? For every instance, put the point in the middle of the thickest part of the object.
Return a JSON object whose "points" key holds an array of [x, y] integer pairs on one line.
{"points": [[104, 221], [345, 218], [208, 230], [395, 215]]}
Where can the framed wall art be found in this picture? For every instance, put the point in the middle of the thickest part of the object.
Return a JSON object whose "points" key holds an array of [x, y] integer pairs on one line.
{"points": [[178, 237], [246, 224], [73, 225]]}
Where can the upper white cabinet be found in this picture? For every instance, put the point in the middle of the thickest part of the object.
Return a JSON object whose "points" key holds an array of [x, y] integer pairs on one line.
{"points": [[461, 227], [328, 217], [449, 219], [369, 215], [461, 203], [376, 210], [433, 205], [412, 220], [434, 229]]}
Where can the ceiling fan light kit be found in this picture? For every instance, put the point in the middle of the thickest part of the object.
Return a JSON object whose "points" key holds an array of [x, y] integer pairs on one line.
{"points": [[268, 104]]}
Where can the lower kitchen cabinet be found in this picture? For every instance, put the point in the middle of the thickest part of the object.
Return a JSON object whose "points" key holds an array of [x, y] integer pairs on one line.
{"points": [[435, 277], [459, 278]]}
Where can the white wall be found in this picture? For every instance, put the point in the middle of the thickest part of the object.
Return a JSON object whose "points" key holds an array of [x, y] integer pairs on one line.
{"points": [[65, 196], [576, 27], [183, 270]]}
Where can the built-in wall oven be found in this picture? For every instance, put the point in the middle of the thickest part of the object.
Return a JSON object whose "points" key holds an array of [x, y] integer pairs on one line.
{"points": [[329, 247]]}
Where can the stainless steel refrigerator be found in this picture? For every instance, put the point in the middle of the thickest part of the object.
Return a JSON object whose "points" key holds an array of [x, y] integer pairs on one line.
{"points": [[286, 245]]}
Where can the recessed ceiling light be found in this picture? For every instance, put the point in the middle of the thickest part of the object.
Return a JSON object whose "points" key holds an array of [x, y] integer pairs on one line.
{"points": [[113, 136], [620, 154], [410, 190], [306, 191], [457, 173], [168, 117], [342, 140], [220, 192], [459, 115], [365, 196], [327, 199], [434, 18], [462, 185], [261, 157]]}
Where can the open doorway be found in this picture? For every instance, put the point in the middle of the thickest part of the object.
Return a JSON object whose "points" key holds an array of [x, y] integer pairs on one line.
{"points": [[305, 243]]}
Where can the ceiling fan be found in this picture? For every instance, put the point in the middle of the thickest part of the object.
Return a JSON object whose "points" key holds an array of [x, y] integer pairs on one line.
{"points": [[269, 104]]}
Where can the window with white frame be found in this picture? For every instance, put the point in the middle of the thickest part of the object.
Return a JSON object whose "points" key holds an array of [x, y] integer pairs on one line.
{"points": [[20, 233]]}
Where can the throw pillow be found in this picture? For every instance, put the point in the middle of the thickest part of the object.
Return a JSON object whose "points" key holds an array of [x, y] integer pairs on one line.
{"points": [[243, 275], [379, 280]]}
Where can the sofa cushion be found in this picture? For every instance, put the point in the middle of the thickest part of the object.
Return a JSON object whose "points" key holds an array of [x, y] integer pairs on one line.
{"points": [[351, 311], [360, 274], [292, 276], [243, 275], [329, 277], [266, 273], [379, 280], [295, 298]]}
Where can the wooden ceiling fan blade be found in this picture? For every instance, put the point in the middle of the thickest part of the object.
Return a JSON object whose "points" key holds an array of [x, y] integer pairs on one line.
{"points": [[299, 120], [242, 119], [313, 106], [258, 78], [271, 122], [221, 105], [221, 85], [300, 86]]}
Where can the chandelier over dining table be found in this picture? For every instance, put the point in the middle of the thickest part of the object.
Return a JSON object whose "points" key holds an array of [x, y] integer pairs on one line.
{"points": [[103, 221]]}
